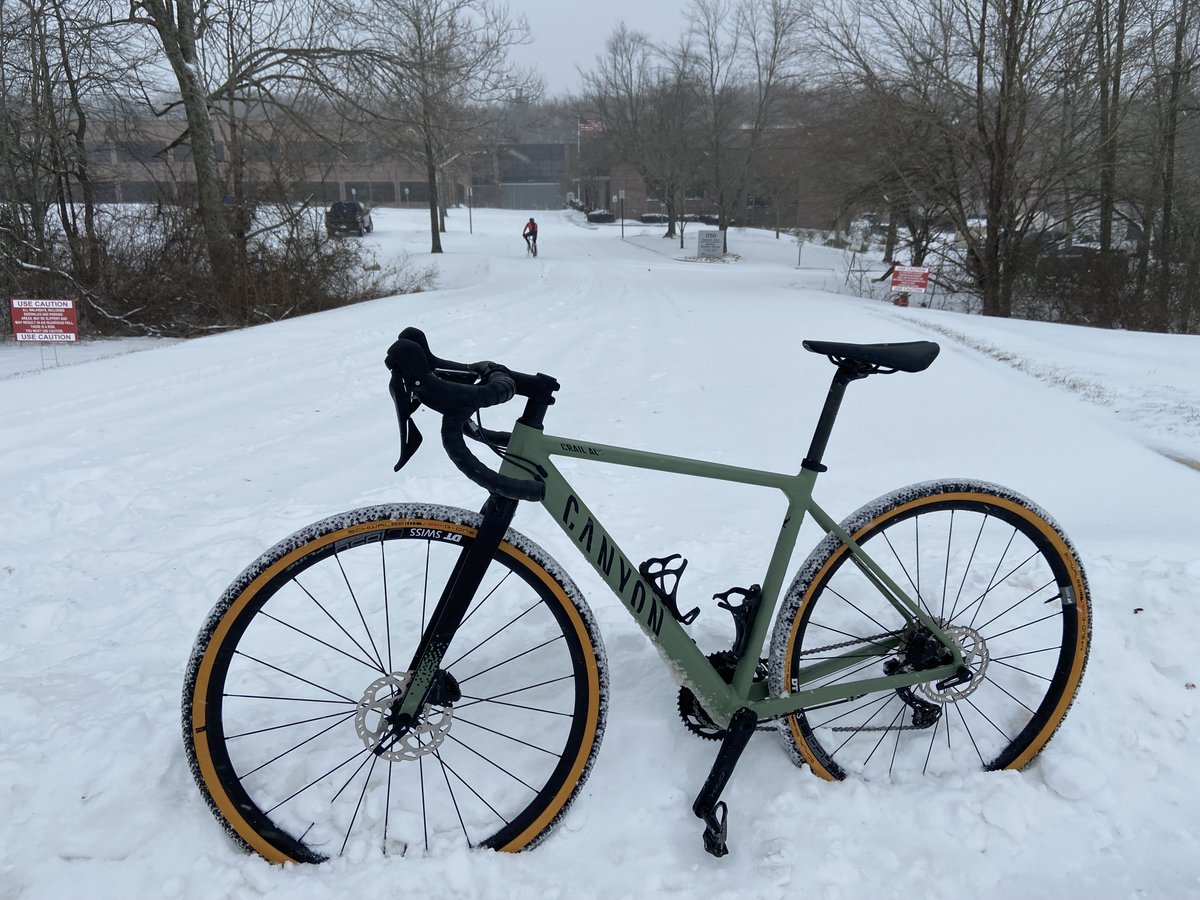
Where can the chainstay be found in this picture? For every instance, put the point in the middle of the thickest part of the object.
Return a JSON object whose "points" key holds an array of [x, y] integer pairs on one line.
{"points": [[865, 640]]}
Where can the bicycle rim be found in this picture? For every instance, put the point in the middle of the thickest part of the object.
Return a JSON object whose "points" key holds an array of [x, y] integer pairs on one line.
{"points": [[998, 576], [291, 675]]}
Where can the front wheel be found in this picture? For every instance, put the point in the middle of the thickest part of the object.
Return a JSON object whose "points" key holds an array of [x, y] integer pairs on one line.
{"points": [[1000, 578], [292, 679]]}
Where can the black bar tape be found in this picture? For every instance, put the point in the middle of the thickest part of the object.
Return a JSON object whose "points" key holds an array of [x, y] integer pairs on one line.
{"points": [[505, 486]]}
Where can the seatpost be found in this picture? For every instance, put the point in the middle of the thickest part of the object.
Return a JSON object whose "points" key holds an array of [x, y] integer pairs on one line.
{"points": [[833, 401]]}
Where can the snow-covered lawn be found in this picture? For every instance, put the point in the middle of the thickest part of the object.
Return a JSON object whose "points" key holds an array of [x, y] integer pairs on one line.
{"points": [[137, 485]]}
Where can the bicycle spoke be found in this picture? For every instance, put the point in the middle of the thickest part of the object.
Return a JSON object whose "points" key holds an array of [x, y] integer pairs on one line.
{"points": [[487, 596], [998, 686], [335, 622], [498, 631], [387, 808], [1022, 671], [230, 737], [1004, 612], [340, 702], [493, 763], [858, 609], [501, 734], [970, 734], [358, 805], [295, 676], [911, 583], [316, 780], [1053, 615], [967, 568], [554, 640], [370, 664], [354, 599], [883, 735], [932, 740], [447, 768], [987, 719], [536, 709], [946, 569], [297, 746], [387, 608], [509, 693], [882, 701]]}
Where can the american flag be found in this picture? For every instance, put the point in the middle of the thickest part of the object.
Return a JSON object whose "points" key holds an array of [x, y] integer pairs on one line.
{"points": [[593, 127]]}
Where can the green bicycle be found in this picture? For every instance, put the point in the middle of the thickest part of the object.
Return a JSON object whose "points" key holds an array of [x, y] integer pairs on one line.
{"points": [[409, 678]]}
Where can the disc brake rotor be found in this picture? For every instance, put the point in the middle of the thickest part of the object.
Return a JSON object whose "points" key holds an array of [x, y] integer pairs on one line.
{"points": [[371, 721], [975, 657]]}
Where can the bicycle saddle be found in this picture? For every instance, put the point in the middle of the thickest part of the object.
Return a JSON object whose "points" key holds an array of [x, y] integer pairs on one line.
{"points": [[912, 356]]}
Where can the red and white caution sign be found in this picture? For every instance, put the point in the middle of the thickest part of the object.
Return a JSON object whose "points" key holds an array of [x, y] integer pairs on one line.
{"points": [[52, 321], [910, 279]]}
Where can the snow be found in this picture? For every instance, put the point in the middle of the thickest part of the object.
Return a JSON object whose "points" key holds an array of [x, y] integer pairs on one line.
{"points": [[137, 485]]}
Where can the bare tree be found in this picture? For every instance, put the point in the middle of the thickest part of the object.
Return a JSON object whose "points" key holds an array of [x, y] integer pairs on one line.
{"points": [[982, 79], [447, 75], [58, 67], [646, 98], [744, 50], [230, 55], [1180, 60]]}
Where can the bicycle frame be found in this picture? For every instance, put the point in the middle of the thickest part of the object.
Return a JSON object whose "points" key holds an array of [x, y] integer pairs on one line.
{"points": [[720, 699]]}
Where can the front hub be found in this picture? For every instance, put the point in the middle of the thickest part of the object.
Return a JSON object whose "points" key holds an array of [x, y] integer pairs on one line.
{"points": [[376, 719]]}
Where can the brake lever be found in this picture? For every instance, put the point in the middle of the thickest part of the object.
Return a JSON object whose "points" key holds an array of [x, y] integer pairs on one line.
{"points": [[406, 403]]}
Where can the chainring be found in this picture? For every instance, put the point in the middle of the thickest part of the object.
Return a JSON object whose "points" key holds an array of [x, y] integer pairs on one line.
{"points": [[694, 717]]}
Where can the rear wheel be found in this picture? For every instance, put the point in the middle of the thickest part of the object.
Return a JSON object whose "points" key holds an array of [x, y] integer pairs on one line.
{"points": [[1001, 579], [294, 674]]}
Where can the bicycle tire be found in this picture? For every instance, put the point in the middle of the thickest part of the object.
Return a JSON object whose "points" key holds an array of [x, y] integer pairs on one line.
{"points": [[985, 562], [283, 690]]}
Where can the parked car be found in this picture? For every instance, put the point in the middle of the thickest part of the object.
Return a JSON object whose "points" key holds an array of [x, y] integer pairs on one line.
{"points": [[602, 216], [350, 216]]}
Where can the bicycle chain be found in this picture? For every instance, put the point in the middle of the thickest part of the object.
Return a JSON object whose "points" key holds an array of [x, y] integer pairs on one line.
{"points": [[865, 640], [850, 643]]}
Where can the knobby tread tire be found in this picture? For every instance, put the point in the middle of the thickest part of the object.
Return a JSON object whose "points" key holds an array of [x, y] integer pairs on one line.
{"points": [[203, 737], [970, 496]]}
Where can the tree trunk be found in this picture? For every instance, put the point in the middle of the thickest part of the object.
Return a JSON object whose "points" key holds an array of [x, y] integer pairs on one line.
{"points": [[431, 178], [1160, 305], [177, 31]]}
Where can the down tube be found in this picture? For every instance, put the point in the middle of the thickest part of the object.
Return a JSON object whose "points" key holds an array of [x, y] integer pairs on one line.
{"points": [[577, 521]]}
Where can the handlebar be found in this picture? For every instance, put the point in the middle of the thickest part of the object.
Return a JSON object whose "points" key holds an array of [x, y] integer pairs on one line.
{"points": [[458, 391]]}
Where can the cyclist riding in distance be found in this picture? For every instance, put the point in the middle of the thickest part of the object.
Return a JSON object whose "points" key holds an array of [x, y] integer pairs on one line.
{"points": [[530, 235]]}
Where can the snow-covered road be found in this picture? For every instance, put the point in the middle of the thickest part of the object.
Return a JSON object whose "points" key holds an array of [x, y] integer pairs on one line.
{"points": [[136, 486]]}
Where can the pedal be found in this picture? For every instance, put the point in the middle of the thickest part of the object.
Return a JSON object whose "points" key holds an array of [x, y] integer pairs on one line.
{"points": [[657, 572], [715, 830]]}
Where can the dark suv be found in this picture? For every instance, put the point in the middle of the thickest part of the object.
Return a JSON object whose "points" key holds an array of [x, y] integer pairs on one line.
{"points": [[348, 215]]}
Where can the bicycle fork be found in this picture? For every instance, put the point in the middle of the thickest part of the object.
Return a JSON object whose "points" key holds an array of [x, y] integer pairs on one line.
{"points": [[448, 614]]}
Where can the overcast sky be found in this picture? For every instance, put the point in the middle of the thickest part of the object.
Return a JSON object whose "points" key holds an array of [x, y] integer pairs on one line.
{"points": [[569, 33]]}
